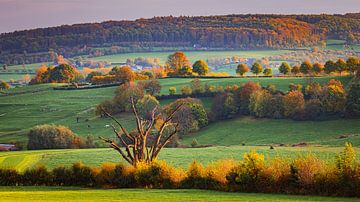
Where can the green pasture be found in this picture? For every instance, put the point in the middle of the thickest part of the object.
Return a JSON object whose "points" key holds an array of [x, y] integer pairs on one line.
{"points": [[15, 194], [179, 157]]}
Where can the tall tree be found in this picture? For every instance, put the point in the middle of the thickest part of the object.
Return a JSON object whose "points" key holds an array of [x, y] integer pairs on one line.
{"points": [[135, 147], [177, 61], [256, 68], [295, 70], [267, 72], [353, 63], [241, 69], [341, 66], [318, 68], [306, 67], [201, 67], [285, 68], [330, 66]]}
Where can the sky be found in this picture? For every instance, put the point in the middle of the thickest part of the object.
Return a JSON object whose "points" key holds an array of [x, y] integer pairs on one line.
{"points": [[29, 14]]}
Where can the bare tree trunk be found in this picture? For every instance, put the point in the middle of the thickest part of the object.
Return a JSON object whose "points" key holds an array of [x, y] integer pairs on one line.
{"points": [[137, 150]]}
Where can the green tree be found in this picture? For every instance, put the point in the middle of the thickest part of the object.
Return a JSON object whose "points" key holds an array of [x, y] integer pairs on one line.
{"points": [[185, 71], [353, 98], [186, 90], [152, 87], [201, 67], [295, 70], [267, 72], [172, 90], [306, 67], [285, 68], [318, 68], [259, 103], [341, 66], [242, 69], [330, 67], [146, 105], [256, 68]]}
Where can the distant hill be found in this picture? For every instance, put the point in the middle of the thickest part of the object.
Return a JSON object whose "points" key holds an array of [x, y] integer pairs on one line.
{"points": [[170, 33]]}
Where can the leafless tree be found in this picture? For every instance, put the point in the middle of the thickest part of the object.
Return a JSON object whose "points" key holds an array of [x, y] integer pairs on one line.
{"points": [[136, 147]]}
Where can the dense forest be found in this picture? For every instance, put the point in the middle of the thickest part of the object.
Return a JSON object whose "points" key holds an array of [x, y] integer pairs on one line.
{"points": [[166, 33]]}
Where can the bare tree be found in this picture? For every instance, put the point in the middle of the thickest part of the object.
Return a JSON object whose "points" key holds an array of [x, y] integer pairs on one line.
{"points": [[136, 147]]}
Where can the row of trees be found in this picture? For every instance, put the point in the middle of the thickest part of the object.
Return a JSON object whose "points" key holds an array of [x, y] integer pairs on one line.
{"points": [[62, 73], [352, 65]]}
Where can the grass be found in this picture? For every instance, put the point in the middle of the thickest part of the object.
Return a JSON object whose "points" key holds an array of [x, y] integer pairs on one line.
{"points": [[180, 157], [251, 131], [40, 104], [14, 194]]}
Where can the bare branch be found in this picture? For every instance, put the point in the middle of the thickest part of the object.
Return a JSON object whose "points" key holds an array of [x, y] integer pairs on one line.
{"points": [[117, 148]]}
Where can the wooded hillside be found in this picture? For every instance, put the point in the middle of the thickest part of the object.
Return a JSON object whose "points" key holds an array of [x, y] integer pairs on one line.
{"points": [[164, 33]]}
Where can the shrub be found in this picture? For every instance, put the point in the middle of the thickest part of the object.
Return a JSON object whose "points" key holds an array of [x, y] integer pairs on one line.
{"points": [[172, 90], [156, 175], [62, 176], [82, 175], [194, 143], [124, 176], [186, 90], [9, 177], [50, 137], [38, 176], [247, 175]]}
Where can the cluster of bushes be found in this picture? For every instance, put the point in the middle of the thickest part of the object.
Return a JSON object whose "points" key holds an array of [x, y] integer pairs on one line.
{"points": [[309, 103], [62, 73], [304, 175], [56, 137]]}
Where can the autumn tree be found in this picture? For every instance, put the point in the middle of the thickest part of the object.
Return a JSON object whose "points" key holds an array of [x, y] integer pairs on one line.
{"points": [[259, 103], [185, 71], [123, 74], [295, 70], [353, 101], [241, 69], [196, 86], [148, 139], [306, 67], [330, 67], [145, 105], [318, 68], [293, 103], [256, 68], [353, 64], [39, 75], [172, 90], [341, 66], [333, 96], [223, 106], [124, 94], [267, 72], [177, 61], [244, 96], [152, 87], [285, 68], [200, 67]]}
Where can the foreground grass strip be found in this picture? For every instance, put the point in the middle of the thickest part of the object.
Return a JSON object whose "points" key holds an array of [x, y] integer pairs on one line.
{"points": [[78, 194]]}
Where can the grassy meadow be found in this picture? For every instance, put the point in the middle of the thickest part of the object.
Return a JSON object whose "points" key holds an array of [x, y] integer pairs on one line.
{"points": [[28, 106], [179, 157], [15, 194]]}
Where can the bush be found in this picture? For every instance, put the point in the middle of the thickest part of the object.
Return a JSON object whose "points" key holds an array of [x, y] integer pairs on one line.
{"points": [[9, 177], [82, 175], [172, 90], [50, 137], [38, 176], [62, 176], [186, 90]]}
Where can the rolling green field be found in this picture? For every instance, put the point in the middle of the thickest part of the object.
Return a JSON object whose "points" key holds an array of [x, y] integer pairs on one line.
{"points": [[251, 131], [14, 194], [40, 104], [181, 157]]}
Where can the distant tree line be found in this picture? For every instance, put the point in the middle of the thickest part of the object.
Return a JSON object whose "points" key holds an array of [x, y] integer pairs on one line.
{"points": [[230, 31]]}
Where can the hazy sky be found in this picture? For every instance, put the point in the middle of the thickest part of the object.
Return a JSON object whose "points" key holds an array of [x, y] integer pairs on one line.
{"points": [[25, 14]]}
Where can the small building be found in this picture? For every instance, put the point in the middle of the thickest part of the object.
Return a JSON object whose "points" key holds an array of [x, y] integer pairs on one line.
{"points": [[7, 147]]}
